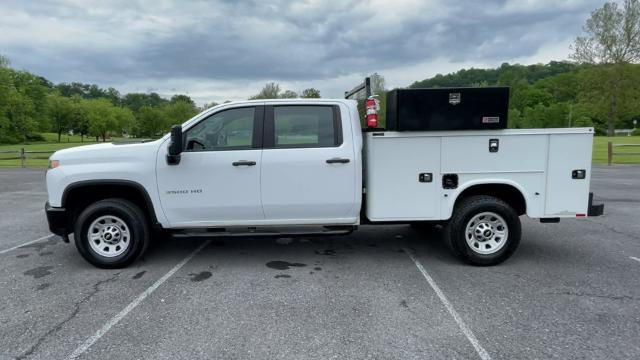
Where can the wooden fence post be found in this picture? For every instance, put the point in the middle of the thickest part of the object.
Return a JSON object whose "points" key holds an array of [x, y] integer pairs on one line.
{"points": [[22, 159], [610, 152]]}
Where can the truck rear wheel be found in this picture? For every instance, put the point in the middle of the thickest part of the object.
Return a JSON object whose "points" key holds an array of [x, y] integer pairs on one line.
{"points": [[483, 230], [111, 233]]}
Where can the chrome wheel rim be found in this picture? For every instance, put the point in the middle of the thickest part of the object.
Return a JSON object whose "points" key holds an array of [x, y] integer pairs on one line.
{"points": [[486, 233], [109, 236]]}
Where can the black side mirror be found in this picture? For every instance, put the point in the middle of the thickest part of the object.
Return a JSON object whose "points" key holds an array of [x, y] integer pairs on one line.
{"points": [[175, 145]]}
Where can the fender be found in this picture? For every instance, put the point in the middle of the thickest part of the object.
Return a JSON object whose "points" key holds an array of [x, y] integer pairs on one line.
{"points": [[114, 182], [448, 210]]}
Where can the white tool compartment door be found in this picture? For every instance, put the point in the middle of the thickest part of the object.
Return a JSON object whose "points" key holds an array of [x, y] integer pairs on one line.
{"points": [[395, 190], [565, 195]]}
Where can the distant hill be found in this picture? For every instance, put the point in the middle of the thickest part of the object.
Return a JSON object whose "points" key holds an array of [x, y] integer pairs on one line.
{"points": [[506, 75]]}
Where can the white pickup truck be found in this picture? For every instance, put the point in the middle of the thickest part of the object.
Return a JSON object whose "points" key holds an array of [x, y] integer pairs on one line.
{"points": [[305, 166]]}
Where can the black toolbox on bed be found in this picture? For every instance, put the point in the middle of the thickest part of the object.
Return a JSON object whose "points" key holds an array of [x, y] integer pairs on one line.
{"points": [[480, 108]]}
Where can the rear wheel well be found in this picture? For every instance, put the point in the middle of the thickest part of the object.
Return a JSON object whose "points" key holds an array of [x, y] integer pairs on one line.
{"points": [[77, 197], [507, 193]]}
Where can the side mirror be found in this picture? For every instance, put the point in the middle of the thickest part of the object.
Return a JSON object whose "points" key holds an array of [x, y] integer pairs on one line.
{"points": [[175, 145]]}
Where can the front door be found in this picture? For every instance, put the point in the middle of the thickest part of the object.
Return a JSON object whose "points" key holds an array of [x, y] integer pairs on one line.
{"points": [[308, 166], [217, 181]]}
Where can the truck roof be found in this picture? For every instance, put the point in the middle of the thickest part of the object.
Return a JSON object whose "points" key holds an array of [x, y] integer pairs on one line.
{"points": [[207, 112]]}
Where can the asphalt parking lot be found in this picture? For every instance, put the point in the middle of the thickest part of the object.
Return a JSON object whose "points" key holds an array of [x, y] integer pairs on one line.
{"points": [[572, 290]]}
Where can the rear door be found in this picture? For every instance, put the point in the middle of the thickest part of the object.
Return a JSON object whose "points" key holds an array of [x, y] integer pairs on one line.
{"points": [[308, 165]]}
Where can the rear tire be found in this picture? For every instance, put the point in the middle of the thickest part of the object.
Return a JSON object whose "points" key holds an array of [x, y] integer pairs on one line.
{"points": [[483, 230], [111, 233]]}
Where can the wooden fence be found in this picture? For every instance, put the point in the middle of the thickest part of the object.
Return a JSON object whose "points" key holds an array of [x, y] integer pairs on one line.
{"points": [[24, 156], [611, 153]]}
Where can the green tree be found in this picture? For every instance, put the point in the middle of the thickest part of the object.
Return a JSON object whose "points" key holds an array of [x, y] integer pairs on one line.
{"points": [[151, 122], [177, 112], [289, 94], [182, 98], [60, 112], [611, 39], [310, 93], [79, 117], [6, 86], [124, 120], [611, 93], [269, 91], [525, 95], [209, 105], [20, 111], [102, 118], [135, 101]]}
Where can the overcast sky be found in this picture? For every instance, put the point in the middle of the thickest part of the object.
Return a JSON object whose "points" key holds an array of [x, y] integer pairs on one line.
{"points": [[219, 50]]}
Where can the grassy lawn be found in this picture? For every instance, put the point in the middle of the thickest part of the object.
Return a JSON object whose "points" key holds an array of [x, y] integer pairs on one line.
{"points": [[51, 144], [599, 149]]}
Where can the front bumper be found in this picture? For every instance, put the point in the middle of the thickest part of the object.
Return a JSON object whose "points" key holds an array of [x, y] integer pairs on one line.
{"points": [[58, 219], [594, 209]]}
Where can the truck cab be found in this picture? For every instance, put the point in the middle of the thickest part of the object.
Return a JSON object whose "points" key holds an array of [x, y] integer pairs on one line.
{"points": [[265, 163]]}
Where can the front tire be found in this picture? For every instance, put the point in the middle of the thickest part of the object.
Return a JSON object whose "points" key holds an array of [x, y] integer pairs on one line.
{"points": [[111, 233], [483, 230]]}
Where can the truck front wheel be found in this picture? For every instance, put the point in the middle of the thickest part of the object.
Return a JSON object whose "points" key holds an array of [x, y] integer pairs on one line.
{"points": [[111, 233], [483, 230]]}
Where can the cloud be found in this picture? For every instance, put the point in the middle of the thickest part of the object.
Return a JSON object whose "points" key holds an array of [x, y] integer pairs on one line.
{"points": [[218, 50]]}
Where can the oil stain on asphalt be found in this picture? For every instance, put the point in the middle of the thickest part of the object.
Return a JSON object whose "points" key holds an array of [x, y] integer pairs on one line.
{"points": [[139, 275], [38, 246], [328, 252], [283, 265], [40, 271], [43, 286], [201, 276]]}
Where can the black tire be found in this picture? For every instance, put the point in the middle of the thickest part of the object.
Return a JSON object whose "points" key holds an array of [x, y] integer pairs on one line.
{"points": [[456, 235], [135, 223]]}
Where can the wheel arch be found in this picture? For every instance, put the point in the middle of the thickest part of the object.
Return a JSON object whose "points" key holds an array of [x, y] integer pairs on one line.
{"points": [[78, 195], [508, 191]]}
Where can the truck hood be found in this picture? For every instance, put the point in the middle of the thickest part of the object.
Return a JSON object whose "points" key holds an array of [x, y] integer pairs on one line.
{"points": [[106, 152]]}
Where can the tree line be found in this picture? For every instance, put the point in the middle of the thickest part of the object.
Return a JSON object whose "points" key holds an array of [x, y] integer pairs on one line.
{"points": [[31, 104]]}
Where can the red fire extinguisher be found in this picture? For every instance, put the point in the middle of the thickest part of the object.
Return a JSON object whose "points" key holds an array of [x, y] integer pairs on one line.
{"points": [[371, 108]]}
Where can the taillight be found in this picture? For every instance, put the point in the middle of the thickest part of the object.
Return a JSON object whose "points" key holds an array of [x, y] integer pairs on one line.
{"points": [[371, 108]]}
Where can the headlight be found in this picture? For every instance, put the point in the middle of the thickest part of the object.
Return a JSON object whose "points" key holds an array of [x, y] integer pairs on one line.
{"points": [[54, 164]]}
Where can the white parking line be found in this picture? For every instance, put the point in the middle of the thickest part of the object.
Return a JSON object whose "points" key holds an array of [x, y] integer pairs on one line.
{"points": [[634, 258], [27, 243], [116, 319], [465, 329]]}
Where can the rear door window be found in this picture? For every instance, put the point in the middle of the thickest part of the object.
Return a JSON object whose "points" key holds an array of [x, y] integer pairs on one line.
{"points": [[305, 126]]}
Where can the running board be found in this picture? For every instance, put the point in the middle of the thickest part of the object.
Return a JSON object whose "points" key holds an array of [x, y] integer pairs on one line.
{"points": [[264, 231]]}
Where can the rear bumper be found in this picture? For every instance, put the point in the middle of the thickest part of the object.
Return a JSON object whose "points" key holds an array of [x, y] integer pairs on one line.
{"points": [[58, 219], [594, 209]]}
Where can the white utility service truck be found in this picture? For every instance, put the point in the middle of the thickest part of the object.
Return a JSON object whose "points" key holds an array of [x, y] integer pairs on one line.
{"points": [[306, 166]]}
